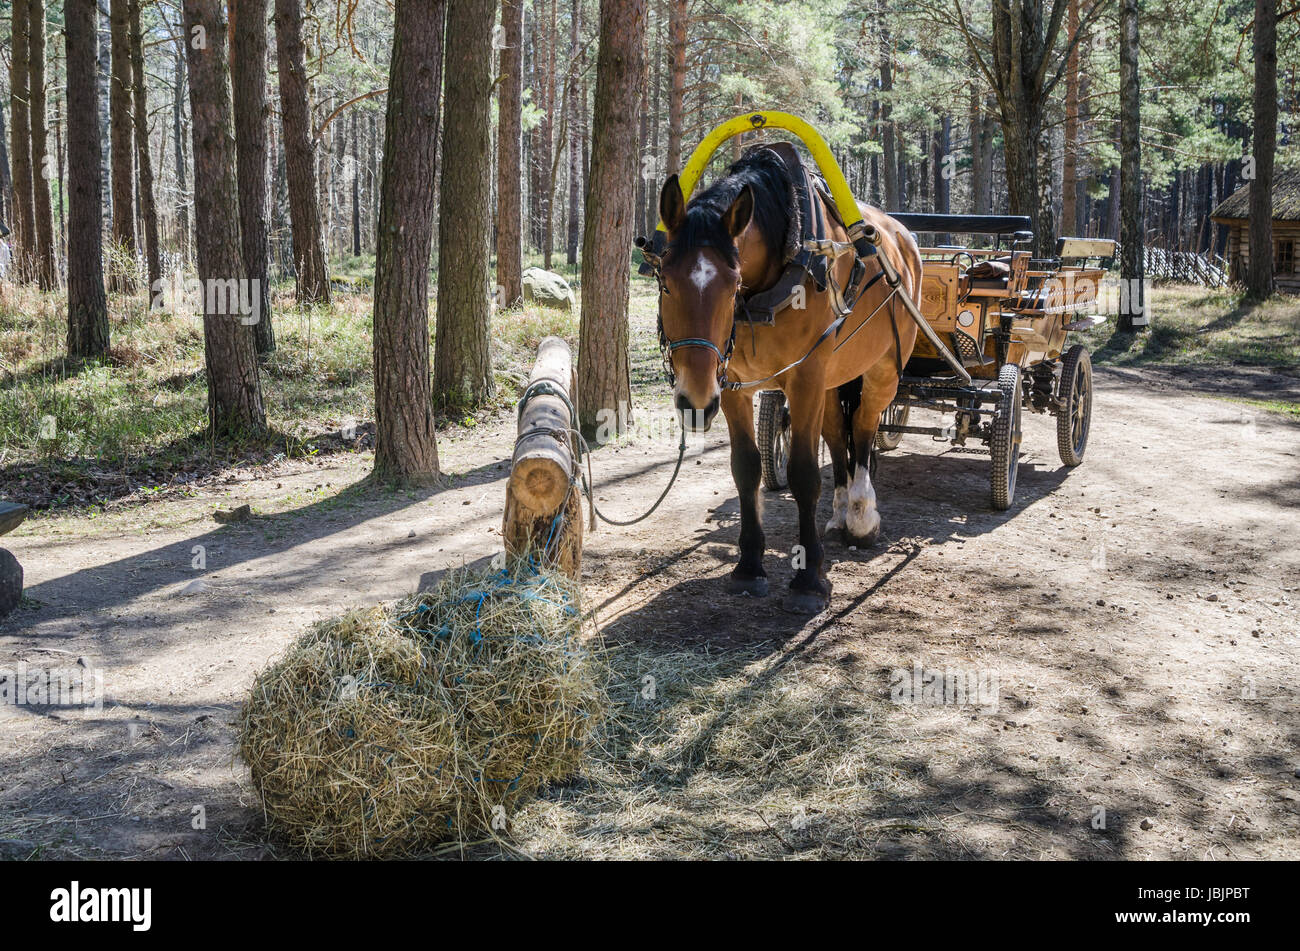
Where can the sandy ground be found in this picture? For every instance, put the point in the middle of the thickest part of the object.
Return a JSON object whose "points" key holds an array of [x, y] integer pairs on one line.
{"points": [[1134, 619]]}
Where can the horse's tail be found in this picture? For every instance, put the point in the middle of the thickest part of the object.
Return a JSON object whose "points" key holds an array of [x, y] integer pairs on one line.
{"points": [[850, 395]]}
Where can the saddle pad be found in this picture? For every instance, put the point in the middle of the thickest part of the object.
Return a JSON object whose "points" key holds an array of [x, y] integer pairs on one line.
{"points": [[761, 307]]}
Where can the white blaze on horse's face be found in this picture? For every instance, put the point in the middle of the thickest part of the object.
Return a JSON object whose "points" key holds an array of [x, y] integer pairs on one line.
{"points": [[699, 305], [704, 273]]}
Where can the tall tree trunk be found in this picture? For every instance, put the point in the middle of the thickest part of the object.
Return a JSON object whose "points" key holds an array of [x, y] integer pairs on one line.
{"points": [[178, 130], [652, 192], [576, 110], [105, 67], [20, 131], [1259, 273], [603, 373], [462, 358], [46, 273], [144, 163], [308, 245], [678, 17], [121, 143], [510, 156], [87, 304], [1132, 311], [405, 449], [1069, 159], [6, 175], [546, 181], [355, 169], [248, 79], [234, 389], [888, 145], [943, 170]]}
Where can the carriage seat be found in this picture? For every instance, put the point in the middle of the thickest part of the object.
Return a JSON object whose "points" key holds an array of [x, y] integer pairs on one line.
{"points": [[990, 273]]}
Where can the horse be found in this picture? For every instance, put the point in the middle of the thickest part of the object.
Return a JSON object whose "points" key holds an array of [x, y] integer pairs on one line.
{"points": [[733, 240]]}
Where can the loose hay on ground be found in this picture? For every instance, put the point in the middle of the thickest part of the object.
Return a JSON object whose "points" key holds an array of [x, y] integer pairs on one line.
{"points": [[386, 731]]}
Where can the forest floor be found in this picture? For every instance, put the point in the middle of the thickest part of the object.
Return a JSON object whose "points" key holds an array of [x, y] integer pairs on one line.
{"points": [[1136, 617]]}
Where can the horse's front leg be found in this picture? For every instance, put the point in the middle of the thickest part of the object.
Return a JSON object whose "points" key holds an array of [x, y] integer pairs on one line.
{"points": [[810, 589], [748, 577]]}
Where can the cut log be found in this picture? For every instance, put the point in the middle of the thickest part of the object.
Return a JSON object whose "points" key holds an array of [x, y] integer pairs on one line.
{"points": [[11, 516], [543, 514]]}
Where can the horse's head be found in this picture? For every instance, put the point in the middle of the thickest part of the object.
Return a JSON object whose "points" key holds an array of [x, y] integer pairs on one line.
{"points": [[699, 279]]}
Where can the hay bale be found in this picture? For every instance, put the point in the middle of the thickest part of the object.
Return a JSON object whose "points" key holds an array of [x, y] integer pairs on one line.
{"points": [[385, 731]]}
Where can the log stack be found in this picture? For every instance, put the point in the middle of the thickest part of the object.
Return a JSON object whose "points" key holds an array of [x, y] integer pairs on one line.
{"points": [[543, 514]]}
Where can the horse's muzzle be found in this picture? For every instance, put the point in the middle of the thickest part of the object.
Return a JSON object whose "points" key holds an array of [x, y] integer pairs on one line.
{"points": [[693, 419]]}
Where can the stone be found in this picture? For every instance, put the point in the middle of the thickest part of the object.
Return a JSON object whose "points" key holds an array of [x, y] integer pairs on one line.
{"points": [[549, 288], [240, 514], [11, 582]]}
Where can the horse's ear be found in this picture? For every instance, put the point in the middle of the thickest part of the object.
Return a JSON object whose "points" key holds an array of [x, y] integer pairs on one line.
{"points": [[736, 218], [672, 204]]}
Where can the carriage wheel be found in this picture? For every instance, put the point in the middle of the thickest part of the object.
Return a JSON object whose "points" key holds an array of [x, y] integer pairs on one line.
{"points": [[895, 415], [1004, 437], [774, 438], [1074, 393]]}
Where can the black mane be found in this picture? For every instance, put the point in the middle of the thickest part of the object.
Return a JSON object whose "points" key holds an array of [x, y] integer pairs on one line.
{"points": [[776, 207]]}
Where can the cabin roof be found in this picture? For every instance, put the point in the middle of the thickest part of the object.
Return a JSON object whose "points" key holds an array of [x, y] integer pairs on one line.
{"points": [[1286, 198]]}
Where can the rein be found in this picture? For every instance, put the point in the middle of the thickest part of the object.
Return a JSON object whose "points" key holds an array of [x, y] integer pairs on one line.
{"points": [[547, 388]]}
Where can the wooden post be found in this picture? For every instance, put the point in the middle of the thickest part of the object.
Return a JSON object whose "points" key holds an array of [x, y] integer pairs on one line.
{"points": [[543, 515]]}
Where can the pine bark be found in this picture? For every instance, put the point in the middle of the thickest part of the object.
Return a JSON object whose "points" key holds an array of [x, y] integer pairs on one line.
{"points": [[1069, 159], [20, 132], [46, 274], [1259, 273], [87, 303], [603, 372], [1131, 268], [510, 156], [248, 79], [677, 20], [462, 360], [304, 213], [405, 449], [576, 110], [235, 406], [144, 163], [121, 144], [178, 138]]}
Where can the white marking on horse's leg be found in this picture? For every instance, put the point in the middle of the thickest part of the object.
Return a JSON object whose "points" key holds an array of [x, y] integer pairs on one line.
{"points": [[862, 519], [839, 507], [703, 273]]}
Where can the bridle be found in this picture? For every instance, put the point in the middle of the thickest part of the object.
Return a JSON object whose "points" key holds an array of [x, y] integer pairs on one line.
{"points": [[667, 346], [844, 301]]}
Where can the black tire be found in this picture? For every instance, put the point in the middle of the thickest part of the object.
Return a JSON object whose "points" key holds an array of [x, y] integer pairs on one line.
{"points": [[774, 439], [896, 415], [1074, 419], [1005, 437]]}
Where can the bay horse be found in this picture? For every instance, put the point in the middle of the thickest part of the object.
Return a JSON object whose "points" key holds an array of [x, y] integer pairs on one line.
{"points": [[731, 240]]}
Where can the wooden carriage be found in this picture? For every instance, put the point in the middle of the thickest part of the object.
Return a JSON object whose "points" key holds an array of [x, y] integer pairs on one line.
{"points": [[1003, 316]]}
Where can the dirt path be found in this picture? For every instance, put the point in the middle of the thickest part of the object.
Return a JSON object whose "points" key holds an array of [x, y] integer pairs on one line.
{"points": [[1136, 618]]}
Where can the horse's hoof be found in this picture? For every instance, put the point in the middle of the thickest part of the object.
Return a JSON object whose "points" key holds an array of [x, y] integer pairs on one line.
{"points": [[806, 603], [754, 587], [860, 541]]}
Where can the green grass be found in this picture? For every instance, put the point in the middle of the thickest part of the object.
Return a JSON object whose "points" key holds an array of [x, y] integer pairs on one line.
{"points": [[1281, 407], [144, 409], [1193, 325]]}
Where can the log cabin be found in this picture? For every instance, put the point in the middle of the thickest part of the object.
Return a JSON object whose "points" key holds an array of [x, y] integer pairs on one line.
{"points": [[1234, 212]]}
